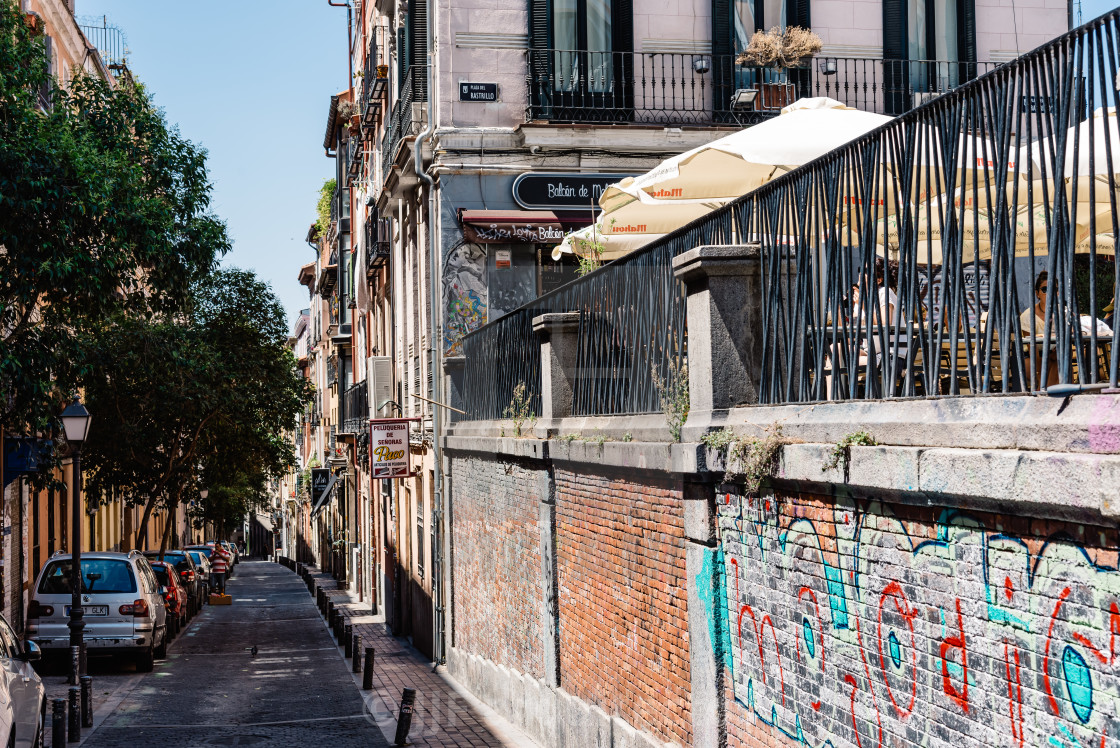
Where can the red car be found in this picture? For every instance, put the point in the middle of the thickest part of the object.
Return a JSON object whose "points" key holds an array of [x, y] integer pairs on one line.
{"points": [[175, 597]]}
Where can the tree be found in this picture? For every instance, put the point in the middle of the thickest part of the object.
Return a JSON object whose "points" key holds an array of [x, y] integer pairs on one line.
{"points": [[200, 398], [104, 211]]}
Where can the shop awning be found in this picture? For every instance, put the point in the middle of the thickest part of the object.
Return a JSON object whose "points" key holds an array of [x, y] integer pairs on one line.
{"points": [[511, 226]]}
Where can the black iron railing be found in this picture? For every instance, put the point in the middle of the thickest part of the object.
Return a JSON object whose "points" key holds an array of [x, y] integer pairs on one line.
{"points": [[377, 243], [355, 409], [375, 78], [110, 43], [332, 372], [406, 120], [354, 157], [664, 88], [941, 220]]}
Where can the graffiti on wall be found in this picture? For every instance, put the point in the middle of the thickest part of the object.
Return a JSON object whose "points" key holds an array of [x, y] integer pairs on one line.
{"points": [[464, 295], [850, 623]]}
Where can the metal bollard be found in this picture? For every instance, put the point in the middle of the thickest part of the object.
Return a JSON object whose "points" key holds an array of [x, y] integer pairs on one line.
{"points": [[404, 716], [58, 723], [82, 659], [75, 717], [348, 640], [356, 653], [75, 666], [367, 673], [87, 701]]}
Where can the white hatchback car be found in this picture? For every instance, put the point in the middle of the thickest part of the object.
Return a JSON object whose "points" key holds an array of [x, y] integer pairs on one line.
{"points": [[24, 701], [122, 603]]}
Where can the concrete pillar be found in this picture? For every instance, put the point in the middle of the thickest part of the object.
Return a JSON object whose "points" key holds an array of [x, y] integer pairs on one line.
{"points": [[723, 286], [559, 342], [550, 614], [705, 614]]}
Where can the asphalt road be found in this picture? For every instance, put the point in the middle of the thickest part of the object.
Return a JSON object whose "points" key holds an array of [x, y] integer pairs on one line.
{"points": [[211, 691]]}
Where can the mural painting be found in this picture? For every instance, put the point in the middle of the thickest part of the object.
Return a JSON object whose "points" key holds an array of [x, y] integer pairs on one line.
{"points": [[464, 295], [853, 623]]}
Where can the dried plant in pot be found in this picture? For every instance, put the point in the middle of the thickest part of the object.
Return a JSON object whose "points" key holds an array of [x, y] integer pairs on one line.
{"points": [[775, 48]]}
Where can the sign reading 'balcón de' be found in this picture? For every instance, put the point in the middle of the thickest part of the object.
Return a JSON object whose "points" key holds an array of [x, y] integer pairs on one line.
{"points": [[562, 191]]}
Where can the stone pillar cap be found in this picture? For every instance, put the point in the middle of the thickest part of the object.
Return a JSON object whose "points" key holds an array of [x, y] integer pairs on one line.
{"points": [[556, 322], [717, 259]]}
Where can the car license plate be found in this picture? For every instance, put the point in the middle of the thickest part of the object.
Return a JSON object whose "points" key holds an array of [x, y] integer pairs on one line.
{"points": [[92, 610]]}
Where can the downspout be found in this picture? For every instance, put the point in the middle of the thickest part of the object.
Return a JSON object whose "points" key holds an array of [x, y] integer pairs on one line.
{"points": [[433, 348], [349, 40]]}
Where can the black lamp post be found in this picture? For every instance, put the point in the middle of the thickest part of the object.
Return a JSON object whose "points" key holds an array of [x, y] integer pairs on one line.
{"points": [[75, 423]]}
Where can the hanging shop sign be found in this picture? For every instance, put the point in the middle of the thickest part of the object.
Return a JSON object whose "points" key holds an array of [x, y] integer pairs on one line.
{"points": [[511, 227], [388, 448], [562, 191], [320, 479], [480, 92]]}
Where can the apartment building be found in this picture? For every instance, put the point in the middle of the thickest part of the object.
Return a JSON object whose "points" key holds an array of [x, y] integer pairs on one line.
{"points": [[526, 114]]}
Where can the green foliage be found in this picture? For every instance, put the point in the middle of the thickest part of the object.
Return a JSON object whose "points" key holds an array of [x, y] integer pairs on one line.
{"points": [[520, 411], [104, 211], [195, 399], [718, 440], [627, 437], [755, 460], [673, 394], [323, 207], [590, 252], [841, 451]]}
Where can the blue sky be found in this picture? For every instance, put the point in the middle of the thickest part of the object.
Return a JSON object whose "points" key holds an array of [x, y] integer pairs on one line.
{"points": [[249, 80]]}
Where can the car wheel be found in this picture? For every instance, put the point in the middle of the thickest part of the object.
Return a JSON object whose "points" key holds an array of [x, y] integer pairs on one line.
{"points": [[40, 741], [160, 652], [145, 661]]}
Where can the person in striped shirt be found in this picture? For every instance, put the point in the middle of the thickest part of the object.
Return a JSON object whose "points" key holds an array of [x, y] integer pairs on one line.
{"points": [[219, 568]]}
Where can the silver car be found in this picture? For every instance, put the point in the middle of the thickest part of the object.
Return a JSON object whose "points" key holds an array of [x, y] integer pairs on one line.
{"points": [[122, 602], [24, 700]]}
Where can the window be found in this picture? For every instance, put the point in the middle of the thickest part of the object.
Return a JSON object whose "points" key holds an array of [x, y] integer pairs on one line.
{"points": [[98, 575]]}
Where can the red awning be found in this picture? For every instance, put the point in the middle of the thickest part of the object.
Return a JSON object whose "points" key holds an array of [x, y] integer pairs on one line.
{"points": [[511, 226]]}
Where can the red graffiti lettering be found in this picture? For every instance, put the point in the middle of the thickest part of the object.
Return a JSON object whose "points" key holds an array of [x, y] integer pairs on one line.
{"points": [[1014, 695], [902, 605], [758, 631], [1046, 654], [957, 643], [820, 622], [870, 687], [1007, 588], [852, 701]]}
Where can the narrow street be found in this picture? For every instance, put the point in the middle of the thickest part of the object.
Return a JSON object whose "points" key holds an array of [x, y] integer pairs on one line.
{"points": [[212, 691]]}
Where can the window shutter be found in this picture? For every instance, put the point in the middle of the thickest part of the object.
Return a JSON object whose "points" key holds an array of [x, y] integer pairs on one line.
{"points": [[966, 38], [895, 51], [418, 46], [403, 54], [723, 59], [540, 61], [379, 372], [797, 14]]}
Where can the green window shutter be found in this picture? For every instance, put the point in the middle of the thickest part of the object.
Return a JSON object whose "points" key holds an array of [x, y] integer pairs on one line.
{"points": [[540, 62], [896, 49], [723, 60], [418, 46], [966, 38]]}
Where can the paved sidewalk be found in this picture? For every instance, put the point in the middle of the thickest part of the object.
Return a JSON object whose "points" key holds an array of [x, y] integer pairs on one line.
{"points": [[445, 714]]}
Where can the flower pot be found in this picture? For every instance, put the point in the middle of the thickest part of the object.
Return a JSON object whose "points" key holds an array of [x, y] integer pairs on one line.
{"points": [[382, 71]]}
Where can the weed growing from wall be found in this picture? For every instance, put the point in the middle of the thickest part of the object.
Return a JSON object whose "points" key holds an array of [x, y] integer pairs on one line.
{"points": [[842, 451], [673, 394], [520, 411]]}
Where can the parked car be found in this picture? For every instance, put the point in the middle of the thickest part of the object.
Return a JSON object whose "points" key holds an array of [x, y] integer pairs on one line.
{"points": [[202, 563], [124, 611], [174, 596], [24, 701], [189, 575]]}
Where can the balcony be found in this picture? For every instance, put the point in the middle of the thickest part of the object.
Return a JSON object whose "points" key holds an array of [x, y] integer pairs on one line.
{"points": [[695, 89], [332, 372], [355, 409], [377, 244], [373, 85], [353, 157], [406, 119]]}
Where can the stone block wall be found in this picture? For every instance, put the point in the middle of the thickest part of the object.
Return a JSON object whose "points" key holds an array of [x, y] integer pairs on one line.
{"points": [[498, 598], [622, 587], [854, 622]]}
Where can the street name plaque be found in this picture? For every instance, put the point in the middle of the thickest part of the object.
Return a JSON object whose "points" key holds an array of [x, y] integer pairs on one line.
{"points": [[481, 92]]}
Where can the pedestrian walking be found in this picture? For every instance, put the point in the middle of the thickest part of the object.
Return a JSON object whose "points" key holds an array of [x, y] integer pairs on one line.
{"points": [[219, 568]]}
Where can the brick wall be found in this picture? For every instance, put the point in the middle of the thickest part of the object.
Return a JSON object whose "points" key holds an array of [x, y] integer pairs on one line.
{"points": [[498, 595], [622, 598], [870, 624]]}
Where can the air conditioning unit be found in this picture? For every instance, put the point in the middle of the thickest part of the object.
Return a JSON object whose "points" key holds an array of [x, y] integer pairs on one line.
{"points": [[379, 381]]}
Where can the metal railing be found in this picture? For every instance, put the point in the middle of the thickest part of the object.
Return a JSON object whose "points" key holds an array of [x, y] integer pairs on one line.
{"points": [[377, 243], [355, 409], [353, 157], [373, 87], [405, 120], [941, 220], [673, 88], [110, 43]]}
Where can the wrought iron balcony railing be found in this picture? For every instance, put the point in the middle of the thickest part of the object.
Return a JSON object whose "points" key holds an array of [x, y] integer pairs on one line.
{"points": [[377, 244], [941, 221], [375, 79], [693, 89], [406, 119], [355, 409], [353, 157]]}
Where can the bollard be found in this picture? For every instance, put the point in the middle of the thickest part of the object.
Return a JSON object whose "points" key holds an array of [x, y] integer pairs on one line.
{"points": [[58, 723], [75, 716], [340, 629], [87, 701], [82, 660], [404, 717], [348, 641], [356, 654], [75, 666], [367, 673]]}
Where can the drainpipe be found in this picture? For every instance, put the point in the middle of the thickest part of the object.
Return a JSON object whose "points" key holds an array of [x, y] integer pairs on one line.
{"points": [[349, 41], [433, 347]]}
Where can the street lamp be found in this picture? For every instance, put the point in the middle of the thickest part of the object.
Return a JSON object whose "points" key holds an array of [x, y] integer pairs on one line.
{"points": [[75, 423], [202, 494]]}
